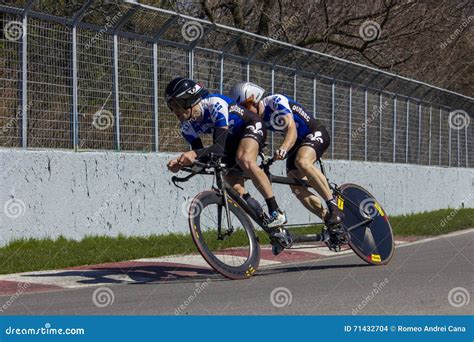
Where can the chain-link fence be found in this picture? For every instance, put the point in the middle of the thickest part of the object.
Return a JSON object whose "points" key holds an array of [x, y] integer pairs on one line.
{"points": [[90, 75]]}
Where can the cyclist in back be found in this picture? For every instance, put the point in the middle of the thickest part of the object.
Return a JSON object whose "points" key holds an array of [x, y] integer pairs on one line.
{"points": [[236, 131], [305, 140]]}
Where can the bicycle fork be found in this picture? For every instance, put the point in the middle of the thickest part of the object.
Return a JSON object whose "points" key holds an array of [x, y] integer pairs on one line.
{"points": [[222, 190]]}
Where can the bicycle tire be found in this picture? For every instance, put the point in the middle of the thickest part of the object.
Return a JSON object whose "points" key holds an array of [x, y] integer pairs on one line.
{"points": [[243, 271], [374, 242]]}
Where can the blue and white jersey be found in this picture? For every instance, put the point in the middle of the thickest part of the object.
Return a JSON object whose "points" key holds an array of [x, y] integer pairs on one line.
{"points": [[217, 111], [276, 106]]}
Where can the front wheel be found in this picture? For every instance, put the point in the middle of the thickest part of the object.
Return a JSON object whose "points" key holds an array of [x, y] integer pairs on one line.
{"points": [[227, 242], [372, 242]]}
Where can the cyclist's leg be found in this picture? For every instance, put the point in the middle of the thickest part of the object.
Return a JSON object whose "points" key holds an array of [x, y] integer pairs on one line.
{"points": [[235, 177], [309, 200], [311, 149], [304, 161], [237, 183], [246, 158]]}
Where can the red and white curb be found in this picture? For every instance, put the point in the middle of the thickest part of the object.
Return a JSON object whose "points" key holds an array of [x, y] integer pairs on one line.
{"points": [[147, 270]]}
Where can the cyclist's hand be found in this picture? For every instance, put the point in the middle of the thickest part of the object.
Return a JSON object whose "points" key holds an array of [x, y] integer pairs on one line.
{"points": [[173, 165], [187, 158], [280, 154]]}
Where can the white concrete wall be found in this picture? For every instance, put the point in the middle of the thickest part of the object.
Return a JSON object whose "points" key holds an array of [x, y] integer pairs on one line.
{"points": [[52, 193]]}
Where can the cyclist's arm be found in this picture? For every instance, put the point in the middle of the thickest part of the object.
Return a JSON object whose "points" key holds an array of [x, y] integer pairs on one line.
{"points": [[219, 113], [218, 146], [290, 132], [280, 104], [196, 144]]}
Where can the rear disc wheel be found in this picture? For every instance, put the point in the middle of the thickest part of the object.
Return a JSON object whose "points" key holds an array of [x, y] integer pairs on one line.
{"points": [[373, 242]]}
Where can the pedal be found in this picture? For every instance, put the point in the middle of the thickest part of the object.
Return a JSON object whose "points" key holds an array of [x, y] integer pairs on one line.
{"points": [[282, 237], [334, 238]]}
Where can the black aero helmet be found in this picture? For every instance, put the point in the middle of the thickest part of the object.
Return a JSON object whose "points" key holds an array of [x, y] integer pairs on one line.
{"points": [[185, 92]]}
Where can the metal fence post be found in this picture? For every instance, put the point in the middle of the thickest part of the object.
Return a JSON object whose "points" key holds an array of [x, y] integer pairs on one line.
{"points": [[459, 154], [429, 141], [221, 80], [380, 126], [440, 118], [294, 87], [333, 89], [467, 151], [449, 145], [24, 83], [365, 124], [75, 99], [191, 63], [350, 122], [394, 127], [273, 91], [314, 97], [116, 94], [419, 133], [407, 131], [155, 97], [75, 121]]}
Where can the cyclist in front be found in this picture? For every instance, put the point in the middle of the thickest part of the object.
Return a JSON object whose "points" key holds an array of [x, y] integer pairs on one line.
{"points": [[306, 140], [236, 131]]}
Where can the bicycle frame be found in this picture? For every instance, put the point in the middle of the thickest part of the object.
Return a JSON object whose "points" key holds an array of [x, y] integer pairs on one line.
{"points": [[227, 191]]}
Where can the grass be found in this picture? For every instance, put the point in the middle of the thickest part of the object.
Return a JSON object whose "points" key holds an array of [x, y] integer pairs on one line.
{"points": [[433, 223], [32, 254]]}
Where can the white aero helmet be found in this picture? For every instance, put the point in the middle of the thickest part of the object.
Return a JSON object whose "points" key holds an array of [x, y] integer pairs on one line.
{"points": [[246, 92]]}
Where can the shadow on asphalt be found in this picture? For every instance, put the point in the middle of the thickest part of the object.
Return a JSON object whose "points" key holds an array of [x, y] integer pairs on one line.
{"points": [[162, 274], [136, 274]]}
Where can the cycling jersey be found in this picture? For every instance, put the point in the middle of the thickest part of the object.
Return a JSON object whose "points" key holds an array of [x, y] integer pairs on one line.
{"points": [[276, 106], [219, 111], [310, 131]]}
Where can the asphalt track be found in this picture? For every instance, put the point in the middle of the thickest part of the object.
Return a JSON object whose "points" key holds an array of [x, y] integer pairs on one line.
{"points": [[418, 280]]}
